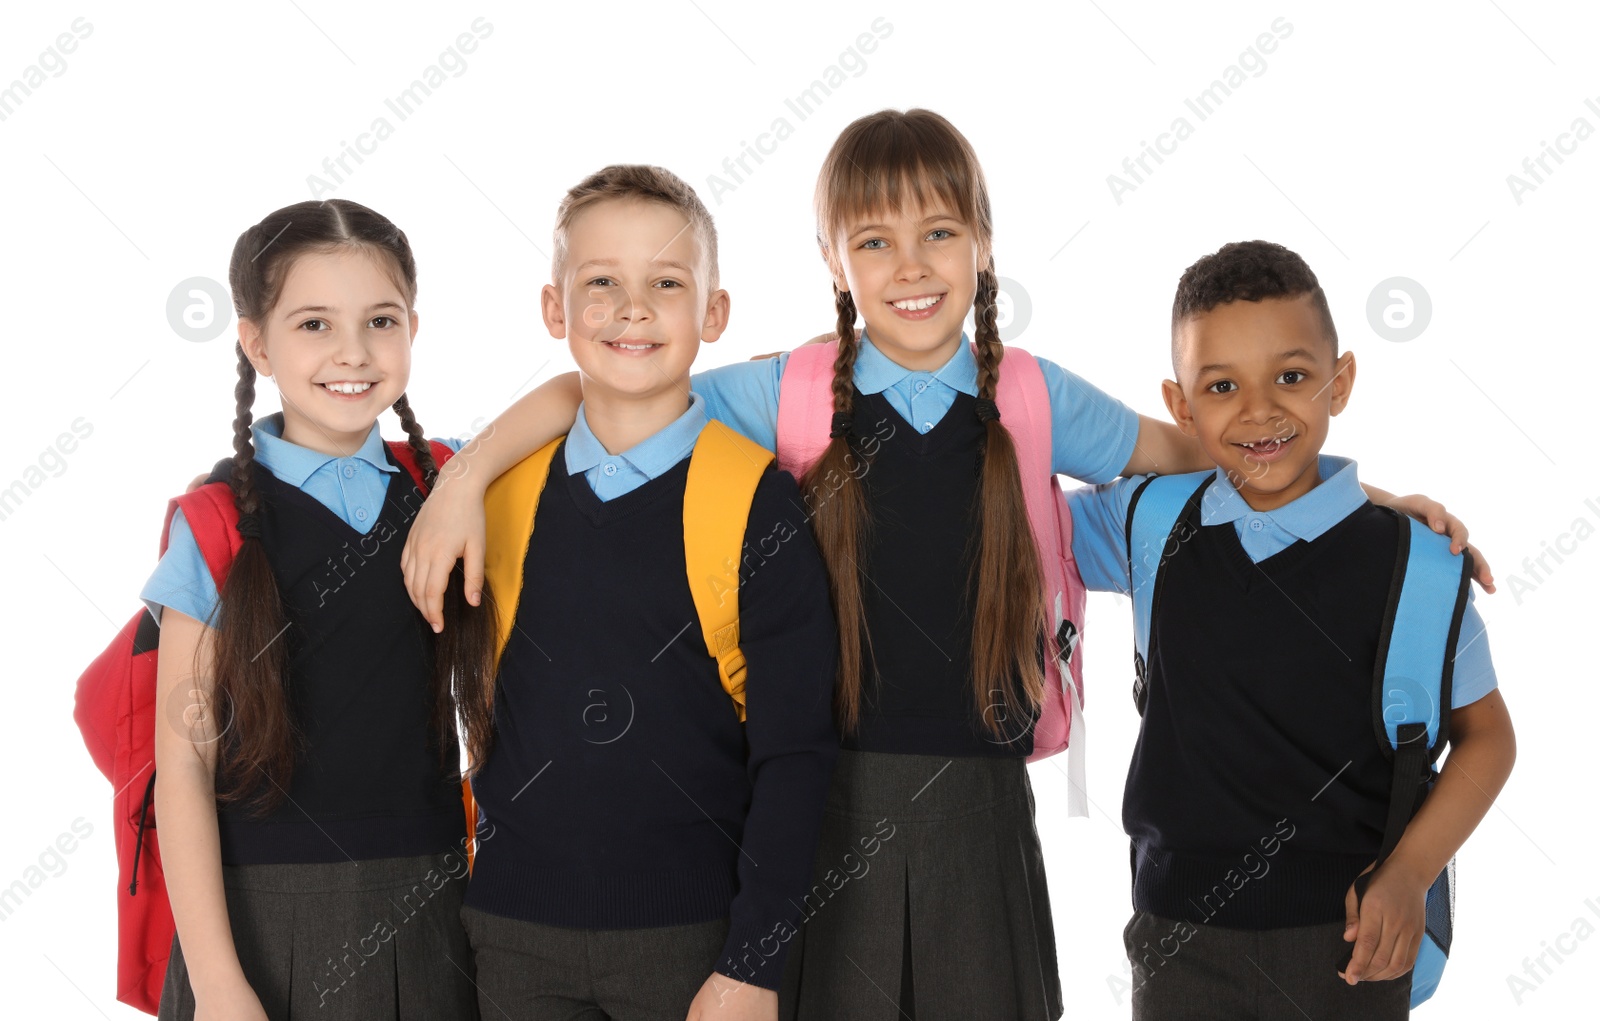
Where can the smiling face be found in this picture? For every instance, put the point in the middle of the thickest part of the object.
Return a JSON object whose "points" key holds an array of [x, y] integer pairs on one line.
{"points": [[634, 299], [912, 272], [338, 345], [1258, 382]]}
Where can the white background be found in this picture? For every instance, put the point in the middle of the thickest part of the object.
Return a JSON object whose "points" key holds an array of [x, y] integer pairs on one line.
{"points": [[1376, 142]]}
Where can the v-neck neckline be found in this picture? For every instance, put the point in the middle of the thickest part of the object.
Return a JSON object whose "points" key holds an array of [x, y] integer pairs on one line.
{"points": [[598, 512], [935, 438], [330, 519]]}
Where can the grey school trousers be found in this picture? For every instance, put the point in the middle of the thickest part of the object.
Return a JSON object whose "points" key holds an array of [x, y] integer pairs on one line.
{"points": [[1186, 972]]}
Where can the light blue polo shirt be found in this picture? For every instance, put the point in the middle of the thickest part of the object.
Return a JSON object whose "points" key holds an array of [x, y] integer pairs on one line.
{"points": [[1092, 433], [351, 487], [612, 475], [1099, 544]]}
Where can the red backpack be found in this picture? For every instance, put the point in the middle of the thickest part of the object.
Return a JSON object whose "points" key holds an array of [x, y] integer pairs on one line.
{"points": [[117, 714]]}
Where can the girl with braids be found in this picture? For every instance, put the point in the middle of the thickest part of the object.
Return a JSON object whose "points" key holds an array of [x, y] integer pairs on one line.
{"points": [[917, 505], [308, 780]]}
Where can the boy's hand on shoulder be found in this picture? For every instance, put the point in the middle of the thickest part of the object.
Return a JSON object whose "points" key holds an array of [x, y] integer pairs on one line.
{"points": [[727, 999], [1387, 926], [449, 527]]}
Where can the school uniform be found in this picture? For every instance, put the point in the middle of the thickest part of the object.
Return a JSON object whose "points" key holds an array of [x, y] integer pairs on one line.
{"points": [[928, 897], [1257, 792], [637, 837], [344, 899]]}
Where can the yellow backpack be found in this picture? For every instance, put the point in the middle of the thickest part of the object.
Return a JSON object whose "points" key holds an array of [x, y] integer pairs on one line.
{"points": [[723, 472]]}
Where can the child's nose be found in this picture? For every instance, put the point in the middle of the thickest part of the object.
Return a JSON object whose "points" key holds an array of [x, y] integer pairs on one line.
{"points": [[352, 350], [1260, 407], [633, 309], [915, 264]]}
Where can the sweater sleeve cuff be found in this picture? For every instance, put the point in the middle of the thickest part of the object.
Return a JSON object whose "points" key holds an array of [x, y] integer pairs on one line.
{"points": [[756, 954]]}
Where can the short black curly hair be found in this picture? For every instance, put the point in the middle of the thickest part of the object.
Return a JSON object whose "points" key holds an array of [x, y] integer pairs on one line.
{"points": [[1247, 271]]}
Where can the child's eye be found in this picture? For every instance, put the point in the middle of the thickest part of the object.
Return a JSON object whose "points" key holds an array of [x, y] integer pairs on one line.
{"points": [[939, 234], [874, 243], [308, 323], [382, 322], [1291, 377], [668, 283], [601, 282], [1223, 386]]}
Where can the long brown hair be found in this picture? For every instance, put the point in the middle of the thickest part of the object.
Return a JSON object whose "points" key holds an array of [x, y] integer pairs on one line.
{"points": [[250, 663], [882, 162]]}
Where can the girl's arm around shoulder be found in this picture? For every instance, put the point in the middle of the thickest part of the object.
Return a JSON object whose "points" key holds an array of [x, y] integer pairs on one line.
{"points": [[1097, 437], [185, 797], [745, 396], [1099, 533]]}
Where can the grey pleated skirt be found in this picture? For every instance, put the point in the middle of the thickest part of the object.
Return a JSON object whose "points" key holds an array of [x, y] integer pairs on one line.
{"points": [[375, 941], [928, 899]]}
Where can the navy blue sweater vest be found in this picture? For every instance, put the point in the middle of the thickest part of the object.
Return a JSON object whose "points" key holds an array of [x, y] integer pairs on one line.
{"points": [[1257, 790], [371, 779], [917, 588], [622, 790]]}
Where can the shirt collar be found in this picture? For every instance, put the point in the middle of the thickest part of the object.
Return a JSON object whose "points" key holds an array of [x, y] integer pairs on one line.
{"points": [[877, 372], [295, 464], [1307, 517], [654, 456]]}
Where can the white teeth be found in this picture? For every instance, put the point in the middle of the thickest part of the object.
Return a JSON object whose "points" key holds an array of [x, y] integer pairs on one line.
{"points": [[632, 347], [348, 388], [915, 304]]}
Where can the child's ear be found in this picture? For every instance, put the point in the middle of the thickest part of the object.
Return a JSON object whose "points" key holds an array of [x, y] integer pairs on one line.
{"points": [[555, 312], [716, 317], [1344, 381], [414, 321], [255, 347], [1178, 407]]}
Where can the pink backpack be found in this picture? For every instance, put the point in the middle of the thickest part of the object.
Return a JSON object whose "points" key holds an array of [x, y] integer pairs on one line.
{"points": [[805, 413]]}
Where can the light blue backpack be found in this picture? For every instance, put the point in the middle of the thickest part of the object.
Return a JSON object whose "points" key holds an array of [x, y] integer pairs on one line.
{"points": [[1410, 688]]}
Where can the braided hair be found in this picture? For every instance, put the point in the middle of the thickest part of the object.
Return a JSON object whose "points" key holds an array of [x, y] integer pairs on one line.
{"points": [[893, 160], [255, 761]]}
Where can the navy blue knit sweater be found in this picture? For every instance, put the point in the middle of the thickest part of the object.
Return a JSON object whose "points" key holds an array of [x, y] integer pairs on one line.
{"points": [[622, 790], [374, 775], [922, 489], [1257, 790]]}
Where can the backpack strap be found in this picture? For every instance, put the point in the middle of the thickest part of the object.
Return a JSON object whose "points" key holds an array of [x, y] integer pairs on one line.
{"points": [[1416, 649], [724, 471], [406, 458], [805, 406], [1023, 399], [1411, 690], [1024, 403], [213, 518], [1159, 509], [509, 508]]}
